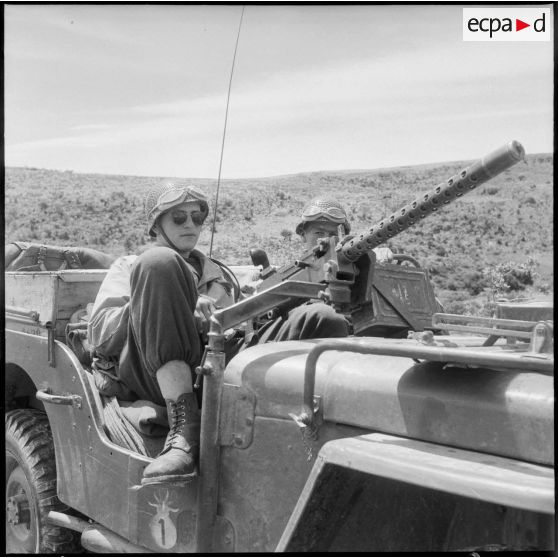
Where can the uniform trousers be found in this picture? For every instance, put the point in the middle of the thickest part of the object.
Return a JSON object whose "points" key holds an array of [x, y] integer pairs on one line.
{"points": [[161, 326], [309, 321]]}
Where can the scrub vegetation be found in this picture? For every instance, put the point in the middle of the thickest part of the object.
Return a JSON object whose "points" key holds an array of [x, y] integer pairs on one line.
{"points": [[495, 242]]}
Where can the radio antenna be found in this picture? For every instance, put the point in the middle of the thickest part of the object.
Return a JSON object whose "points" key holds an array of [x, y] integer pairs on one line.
{"points": [[224, 134]]}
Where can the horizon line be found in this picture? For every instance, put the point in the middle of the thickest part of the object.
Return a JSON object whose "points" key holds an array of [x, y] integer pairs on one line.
{"points": [[331, 171]]}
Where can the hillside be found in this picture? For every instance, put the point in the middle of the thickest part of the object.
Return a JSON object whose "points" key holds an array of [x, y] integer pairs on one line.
{"points": [[510, 219]]}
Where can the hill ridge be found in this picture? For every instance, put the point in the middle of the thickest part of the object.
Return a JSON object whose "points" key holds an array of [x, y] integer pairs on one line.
{"points": [[271, 177]]}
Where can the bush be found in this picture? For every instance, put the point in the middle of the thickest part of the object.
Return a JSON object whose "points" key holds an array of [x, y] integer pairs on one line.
{"points": [[510, 276], [286, 234], [453, 285], [467, 306], [475, 282], [545, 288]]}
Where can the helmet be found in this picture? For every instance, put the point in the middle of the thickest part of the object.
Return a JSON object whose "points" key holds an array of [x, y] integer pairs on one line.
{"points": [[167, 195], [323, 209]]}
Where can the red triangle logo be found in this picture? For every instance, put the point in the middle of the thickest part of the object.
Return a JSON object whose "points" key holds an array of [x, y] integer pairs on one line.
{"points": [[519, 25]]}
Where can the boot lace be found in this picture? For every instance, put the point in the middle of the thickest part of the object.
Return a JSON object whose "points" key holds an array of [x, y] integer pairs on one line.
{"points": [[178, 415]]}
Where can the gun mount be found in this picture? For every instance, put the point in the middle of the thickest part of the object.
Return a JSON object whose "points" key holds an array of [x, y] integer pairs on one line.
{"points": [[382, 299]]}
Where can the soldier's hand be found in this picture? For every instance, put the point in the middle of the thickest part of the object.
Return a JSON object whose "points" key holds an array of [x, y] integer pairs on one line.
{"points": [[251, 288], [205, 307]]}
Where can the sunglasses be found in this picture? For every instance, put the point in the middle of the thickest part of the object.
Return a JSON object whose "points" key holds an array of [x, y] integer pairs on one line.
{"points": [[180, 218]]}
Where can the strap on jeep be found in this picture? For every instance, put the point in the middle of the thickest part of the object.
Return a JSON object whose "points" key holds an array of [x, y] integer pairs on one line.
{"points": [[41, 257], [72, 259]]}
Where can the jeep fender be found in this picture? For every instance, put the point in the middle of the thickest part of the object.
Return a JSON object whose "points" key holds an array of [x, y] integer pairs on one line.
{"points": [[354, 492]]}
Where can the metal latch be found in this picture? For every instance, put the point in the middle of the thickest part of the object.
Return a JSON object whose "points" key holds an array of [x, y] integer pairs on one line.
{"points": [[50, 343], [309, 426], [46, 396]]}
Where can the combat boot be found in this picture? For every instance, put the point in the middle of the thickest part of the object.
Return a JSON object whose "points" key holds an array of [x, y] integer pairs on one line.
{"points": [[177, 460]]}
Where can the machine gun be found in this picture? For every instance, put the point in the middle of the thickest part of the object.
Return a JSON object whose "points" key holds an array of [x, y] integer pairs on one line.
{"points": [[381, 298]]}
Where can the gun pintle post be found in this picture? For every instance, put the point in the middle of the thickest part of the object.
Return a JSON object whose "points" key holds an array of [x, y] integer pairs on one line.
{"points": [[468, 179]]}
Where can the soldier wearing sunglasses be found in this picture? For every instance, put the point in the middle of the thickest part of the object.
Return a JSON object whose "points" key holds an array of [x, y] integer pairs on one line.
{"points": [[147, 319]]}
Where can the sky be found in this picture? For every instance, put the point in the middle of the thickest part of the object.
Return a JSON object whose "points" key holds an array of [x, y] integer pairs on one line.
{"points": [[142, 89]]}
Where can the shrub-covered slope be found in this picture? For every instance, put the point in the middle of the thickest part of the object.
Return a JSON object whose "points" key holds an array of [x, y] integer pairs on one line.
{"points": [[508, 221]]}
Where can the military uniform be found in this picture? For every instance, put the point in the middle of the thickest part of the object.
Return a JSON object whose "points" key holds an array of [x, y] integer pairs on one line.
{"points": [[143, 316]]}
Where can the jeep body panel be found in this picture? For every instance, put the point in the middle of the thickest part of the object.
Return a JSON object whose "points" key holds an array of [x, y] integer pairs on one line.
{"points": [[507, 413], [96, 476]]}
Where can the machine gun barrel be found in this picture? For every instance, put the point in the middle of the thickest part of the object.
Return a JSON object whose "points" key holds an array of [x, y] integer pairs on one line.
{"points": [[468, 179]]}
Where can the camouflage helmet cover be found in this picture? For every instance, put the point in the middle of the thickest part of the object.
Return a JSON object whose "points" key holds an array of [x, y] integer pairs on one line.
{"points": [[323, 210], [165, 196]]}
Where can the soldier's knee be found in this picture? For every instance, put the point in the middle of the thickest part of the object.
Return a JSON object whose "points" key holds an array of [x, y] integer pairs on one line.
{"points": [[326, 319], [322, 311], [159, 259]]}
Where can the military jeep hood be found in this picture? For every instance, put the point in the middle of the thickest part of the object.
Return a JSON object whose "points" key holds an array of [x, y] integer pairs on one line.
{"points": [[506, 413]]}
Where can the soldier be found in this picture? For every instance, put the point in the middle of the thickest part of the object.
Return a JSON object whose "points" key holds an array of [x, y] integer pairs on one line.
{"points": [[147, 319], [320, 218]]}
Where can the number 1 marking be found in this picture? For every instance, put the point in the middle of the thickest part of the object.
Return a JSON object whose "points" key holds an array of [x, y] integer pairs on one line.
{"points": [[162, 523]]}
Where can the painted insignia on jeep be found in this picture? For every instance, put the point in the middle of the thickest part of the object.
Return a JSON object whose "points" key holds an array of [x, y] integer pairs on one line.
{"points": [[161, 526]]}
